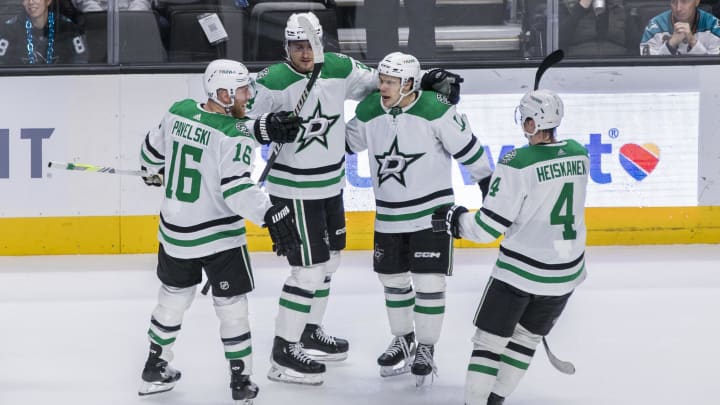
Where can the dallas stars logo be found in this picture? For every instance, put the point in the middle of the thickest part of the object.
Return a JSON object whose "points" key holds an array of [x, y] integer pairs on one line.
{"points": [[316, 128], [393, 163]]}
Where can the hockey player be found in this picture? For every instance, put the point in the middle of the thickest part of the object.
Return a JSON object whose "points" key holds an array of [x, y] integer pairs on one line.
{"points": [[309, 176], [411, 136], [536, 199], [205, 152]]}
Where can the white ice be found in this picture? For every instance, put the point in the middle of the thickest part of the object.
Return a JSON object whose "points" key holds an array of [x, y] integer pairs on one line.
{"points": [[643, 329]]}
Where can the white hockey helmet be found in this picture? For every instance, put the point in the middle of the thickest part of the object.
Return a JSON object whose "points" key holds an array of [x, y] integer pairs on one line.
{"points": [[402, 65], [543, 106], [293, 30], [225, 74]]}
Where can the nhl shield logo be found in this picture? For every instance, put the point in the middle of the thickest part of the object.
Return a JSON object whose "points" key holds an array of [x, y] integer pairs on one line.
{"points": [[224, 285], [378, 254]]}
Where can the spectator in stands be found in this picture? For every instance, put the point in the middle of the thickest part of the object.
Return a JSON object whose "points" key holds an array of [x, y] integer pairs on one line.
{"points": [[592, 28], [684, 29], [102, 5], [40, 35], [381, 22]]}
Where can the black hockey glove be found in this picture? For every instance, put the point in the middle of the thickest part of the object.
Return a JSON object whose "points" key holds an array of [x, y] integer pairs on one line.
{"points": [[279, 127], [281, 226], [444, 82], [484, 185], [153, 179], [447, 219]]}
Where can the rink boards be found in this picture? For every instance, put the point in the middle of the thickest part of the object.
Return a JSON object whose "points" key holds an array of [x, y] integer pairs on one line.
{"points": [[654, 165]]}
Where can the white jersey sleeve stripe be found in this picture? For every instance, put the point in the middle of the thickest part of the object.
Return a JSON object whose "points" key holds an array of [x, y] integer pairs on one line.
{"points": [[541, 279]]}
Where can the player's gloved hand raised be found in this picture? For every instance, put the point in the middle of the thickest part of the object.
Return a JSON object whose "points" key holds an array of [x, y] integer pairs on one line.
{"points": [[155, 180], [281, 225], [444, 82], [447, 219], [279, 127]]}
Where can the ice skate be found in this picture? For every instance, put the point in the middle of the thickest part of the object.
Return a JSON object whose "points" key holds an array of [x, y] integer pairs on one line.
{"points": [[424, 364], [157, 375], [290, 364], [243, 390], [398, 357], [320, 346], [495, 399]]}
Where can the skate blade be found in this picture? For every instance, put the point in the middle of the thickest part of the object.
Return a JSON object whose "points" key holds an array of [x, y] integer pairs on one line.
{"points": [[420, 380], [318, 355], [243, 402], [287, 375], [392, 371], [149, 388]]}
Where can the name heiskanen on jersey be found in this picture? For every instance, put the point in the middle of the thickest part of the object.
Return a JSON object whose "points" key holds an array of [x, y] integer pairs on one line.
{"points": [[560, 169]]}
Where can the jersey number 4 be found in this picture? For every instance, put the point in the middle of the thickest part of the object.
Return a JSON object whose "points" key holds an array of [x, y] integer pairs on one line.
{"points": [[562, 212]]}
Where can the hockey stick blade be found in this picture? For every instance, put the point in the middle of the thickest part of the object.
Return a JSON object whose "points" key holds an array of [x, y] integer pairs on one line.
{"points": [[319, 60], [549, 60], [562, 366], [82, 167]]}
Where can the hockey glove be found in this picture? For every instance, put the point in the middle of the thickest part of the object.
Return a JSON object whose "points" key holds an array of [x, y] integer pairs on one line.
{"points": [[155, 180], [444, 82], [447, 219], [279, 127], [281, 226], [484, 186]]}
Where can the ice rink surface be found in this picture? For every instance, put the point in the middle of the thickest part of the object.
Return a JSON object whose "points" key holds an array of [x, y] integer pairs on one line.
{"points": [[643, 329]]}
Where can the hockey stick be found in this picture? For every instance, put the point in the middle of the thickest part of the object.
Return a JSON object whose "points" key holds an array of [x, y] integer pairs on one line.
{"points": [[549, 60], [318, 59], [95, 169], [562, 366]]}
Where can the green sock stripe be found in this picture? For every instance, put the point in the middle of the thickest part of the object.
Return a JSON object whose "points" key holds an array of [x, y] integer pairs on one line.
{"points": [[322, 293], [400, 304], [515, 363], [294, 306], [238, 355], [430, 310], [483, 369], [159, 340]]}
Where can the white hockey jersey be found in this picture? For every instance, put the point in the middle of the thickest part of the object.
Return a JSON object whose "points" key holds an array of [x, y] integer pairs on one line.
{"points": [[410, 151], [207, 159], [313, 167], [537, 199]]}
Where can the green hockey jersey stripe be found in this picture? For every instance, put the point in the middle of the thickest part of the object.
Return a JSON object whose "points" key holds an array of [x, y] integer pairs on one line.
{"points": [[149, 161], [148, 146], [201, 226], [538, 278], [205, 239], [408, 216], [312, 171], [495, 217], [307, 184], [232, 191], [416, 201], [540, 265]]}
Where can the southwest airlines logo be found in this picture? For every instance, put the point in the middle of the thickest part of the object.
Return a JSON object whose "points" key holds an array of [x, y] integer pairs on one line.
{"points": [[638, 160]]}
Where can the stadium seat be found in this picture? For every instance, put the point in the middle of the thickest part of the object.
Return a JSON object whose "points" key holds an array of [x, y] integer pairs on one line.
{"points": [[138, 37], [188, 42]]}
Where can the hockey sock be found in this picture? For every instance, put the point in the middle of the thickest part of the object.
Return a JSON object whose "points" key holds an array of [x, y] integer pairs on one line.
{"points": [[515, 360], [429, 307], [167, 317], [322, 294], [235, 329], [483, 368], [296, 301], [399, 302]]}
